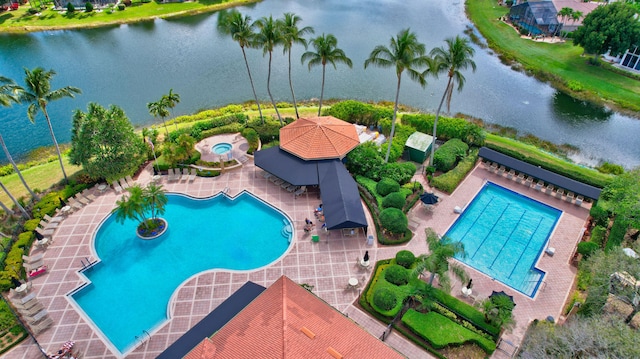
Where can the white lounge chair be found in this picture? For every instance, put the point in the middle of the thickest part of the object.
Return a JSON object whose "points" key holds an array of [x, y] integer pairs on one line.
{"points": [[45, 232], [185, 174], [32, 259], [88, 195], [74, 203], [123, 183], [130, 181], [82, 199], [40, 327], [116, 187], [46, 225], [300, 191], [56, 219], [33, 265], [193, 174]]}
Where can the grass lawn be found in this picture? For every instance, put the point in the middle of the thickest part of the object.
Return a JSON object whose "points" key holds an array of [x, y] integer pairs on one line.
{"points": [[560, 63], [21, 21]]}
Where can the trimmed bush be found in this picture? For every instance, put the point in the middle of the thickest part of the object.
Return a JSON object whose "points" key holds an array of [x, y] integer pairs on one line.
{"points": [[396, 274], [365, 160], [399, 172], [617, 232], [394, 200], [384, 299], [448, 128], [357, 112], [599, 214], [70, 8], [394, 220], [448, 154], [587, 248], [597, 235], [405, 258], [450, 180], [386, 186], [88, 7], [253, 138]]}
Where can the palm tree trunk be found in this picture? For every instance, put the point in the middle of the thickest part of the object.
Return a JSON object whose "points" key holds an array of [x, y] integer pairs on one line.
{"points": [[393, 120], [244, 54], [324, 66], [293, 95], [6, 209], [269, 91], [15, 168], [166, 130], [431, 278], [13, 199], [55, 142], [435, 122]]}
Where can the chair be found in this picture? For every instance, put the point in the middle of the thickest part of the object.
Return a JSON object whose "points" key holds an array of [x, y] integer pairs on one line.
{"points": [[87, 194], [33, 266], [549, 189], [170, 175], [539, 186], [47, 225], [529, 182], [75, 204], [193, 174], [40, 327], [130, 181], [82, 199], [123, 183], [520, 178], [32, 259], [559, 193], [579, 200], [291, 188], [45, 232], [511, 174], [266, 175], [569, 197], [50, 219], [501, 170], [285, 185], [185, 174], [278, 181], [116, 187], [493, 167], [300, 191]]}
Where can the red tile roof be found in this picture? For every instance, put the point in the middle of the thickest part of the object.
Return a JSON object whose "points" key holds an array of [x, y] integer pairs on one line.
{"points": [[318, 138], [287, 321]]}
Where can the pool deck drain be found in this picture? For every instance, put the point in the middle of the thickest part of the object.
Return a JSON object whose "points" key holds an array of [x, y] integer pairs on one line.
{"points": [[327, 265]]}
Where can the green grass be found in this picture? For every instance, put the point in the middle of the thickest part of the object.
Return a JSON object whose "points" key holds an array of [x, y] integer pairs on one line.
{"points": [[557, 63], [21, 21]]}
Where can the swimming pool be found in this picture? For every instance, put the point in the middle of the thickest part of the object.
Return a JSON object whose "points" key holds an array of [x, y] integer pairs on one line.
{"points": [[504, 233], [131, 287]]}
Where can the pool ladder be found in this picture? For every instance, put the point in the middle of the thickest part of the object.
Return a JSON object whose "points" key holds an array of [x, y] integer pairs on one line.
{"points": [[88, 264]]}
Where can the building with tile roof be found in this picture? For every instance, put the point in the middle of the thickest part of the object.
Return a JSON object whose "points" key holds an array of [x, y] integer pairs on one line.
{"points": [[288, 321], [319, 138]]}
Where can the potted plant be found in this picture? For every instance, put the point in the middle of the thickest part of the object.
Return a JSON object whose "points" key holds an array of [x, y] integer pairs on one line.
{"points": [[144, 205]]}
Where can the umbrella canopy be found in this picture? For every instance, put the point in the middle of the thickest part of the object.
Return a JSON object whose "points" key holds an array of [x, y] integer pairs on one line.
{"points": [[494, 294], [319, 138], [429, 198], [366, 256]]}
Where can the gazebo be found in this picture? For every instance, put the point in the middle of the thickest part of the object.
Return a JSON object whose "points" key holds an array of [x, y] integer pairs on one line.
{"points": [[310, 154]]}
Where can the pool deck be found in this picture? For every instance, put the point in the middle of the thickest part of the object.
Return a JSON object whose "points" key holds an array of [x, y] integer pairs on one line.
{"points": [[327, 265]]}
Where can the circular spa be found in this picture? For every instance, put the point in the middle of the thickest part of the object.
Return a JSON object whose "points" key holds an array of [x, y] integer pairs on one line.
{"points": [[130, 289], [221, 148]]}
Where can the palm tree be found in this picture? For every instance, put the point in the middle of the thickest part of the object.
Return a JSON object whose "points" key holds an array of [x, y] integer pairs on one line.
{"points": [[437, 261], [565, 13], [9, 93], [15, 201], [291, 34], [38, 94], [171, 100], [241, 30], [404, 53], [159, 109], [457, 56], [327, 50], [269, 37]]}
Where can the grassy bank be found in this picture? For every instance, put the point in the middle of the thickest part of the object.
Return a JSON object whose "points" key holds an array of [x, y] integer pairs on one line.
{"points": [[38, 178], [562, 65], [20, 21]]}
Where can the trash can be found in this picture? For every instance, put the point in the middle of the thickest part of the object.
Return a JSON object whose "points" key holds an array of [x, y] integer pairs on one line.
{"points": [[315, 238], [370, 240]]}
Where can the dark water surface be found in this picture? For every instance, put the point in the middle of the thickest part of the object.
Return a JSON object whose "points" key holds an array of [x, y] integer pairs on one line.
{"points": [[131, 65]]}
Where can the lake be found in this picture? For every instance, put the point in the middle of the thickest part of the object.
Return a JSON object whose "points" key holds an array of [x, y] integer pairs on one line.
{"points": [[131, 65]]}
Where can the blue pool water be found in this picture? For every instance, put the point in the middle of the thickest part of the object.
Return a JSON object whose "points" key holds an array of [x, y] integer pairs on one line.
{"points": [[131, 286], [504, 234], [221, 148]]}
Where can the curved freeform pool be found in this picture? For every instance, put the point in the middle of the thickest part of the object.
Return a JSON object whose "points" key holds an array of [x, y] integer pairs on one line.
{"points": [[131, 286], [221, 148]]}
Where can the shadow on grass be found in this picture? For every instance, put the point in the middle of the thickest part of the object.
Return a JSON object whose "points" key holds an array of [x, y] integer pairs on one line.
{"points": [[5, 17]]}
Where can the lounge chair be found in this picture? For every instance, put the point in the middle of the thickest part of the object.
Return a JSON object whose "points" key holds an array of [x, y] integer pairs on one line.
{"points": [[82, 199], [74, 203], [33, 310], [278, 182], [46, 225], [579, 200], [300, 191], [40, 327], [170, 175], [116, 187], [292, 188], [285, 185], [33, 319], [559, 193], [32, 259], [35, 272], [45, 232], [50, 219], [266, 175], [569, 197], [33, 266], [130, 181], [87, 194], [193, 174], [123, 183], [185, 174]]}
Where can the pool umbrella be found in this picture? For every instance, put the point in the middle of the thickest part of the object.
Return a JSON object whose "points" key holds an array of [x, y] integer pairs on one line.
{"points": [[494, 294], [469, 284], [366, 256], [62, 202], [429, 198]]}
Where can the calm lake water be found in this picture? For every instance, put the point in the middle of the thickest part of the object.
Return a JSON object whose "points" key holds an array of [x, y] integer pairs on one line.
{"points": [[131, 65]]}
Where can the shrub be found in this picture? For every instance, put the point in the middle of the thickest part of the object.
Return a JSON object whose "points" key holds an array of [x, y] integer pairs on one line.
{"points": [[252, 137], [268, 132], [88, 7], [448, 154], [448, 128], [386, 186], [611, 168], [70, 8], [587, 248], [405, 258], [599, 214], [365, 160], [396, 274], [399, 172], [384, 299], [394, 200], [357, 112], [399, 138], [617, 232], [121, 7], [393, 220], [450, 180], [597, 235]]}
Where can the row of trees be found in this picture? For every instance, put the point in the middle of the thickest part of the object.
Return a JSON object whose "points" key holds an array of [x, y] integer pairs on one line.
{"points": [[37, 94], [404, 52]]}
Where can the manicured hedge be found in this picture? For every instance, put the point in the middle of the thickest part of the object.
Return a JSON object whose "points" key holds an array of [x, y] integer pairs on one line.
{"points": [[449, 181], [386, 186], [448, 128], [448, 154], [384, 299], [400, 172], [405, 258], [466, 311], [394, 220], [597, 235], [587, 248], [617, 232], [441, 332], [357, 112], [394, 200], [396, 274], [253, 138], [399, 139]]}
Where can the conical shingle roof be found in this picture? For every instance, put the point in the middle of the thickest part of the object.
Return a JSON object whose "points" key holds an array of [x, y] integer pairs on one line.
{"points": [[319, 138]]}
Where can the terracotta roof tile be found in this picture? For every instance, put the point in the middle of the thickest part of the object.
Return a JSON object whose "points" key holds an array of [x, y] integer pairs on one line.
{"points": [[318, 138], [287, 321]]}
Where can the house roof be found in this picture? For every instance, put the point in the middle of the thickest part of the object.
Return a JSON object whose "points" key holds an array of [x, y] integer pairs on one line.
{"points": [[318, 138], [287, 321], [575, 5], [419, 141]]}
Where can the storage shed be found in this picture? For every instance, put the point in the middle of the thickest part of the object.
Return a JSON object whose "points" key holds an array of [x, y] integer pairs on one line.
{"points": [[418, 146]]}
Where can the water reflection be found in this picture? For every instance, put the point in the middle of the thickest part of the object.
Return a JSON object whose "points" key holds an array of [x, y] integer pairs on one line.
{"points": [[576, 111]]}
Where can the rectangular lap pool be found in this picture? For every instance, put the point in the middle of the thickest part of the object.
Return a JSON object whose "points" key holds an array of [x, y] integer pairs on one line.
{"points": [[504, 233]]}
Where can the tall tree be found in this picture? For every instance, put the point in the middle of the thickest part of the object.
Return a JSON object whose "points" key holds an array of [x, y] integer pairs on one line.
{"points": [[38, 94], [451, 60], [24, 212], [160, 109], [9, 94], [564, 14], [326, 51], [171, 99], [103, 141], [437, 261], [292, 34], [613, 27], [268, 37], [405, 52], [241, 30]]}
